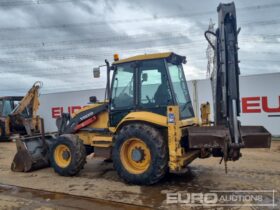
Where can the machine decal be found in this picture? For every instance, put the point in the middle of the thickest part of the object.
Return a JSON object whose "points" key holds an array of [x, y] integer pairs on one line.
{"points": [[85, 123], [171, 118]]}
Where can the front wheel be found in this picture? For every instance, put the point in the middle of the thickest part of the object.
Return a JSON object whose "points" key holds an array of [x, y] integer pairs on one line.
{"points": [[140, 154], [68, 155]]}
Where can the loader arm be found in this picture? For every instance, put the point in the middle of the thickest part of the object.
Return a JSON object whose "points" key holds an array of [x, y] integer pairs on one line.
{"points": [[31, 103], [31, 99]]}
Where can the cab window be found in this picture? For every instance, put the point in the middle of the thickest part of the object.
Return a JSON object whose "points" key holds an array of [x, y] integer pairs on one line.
{"points": [[123, 87], [154, 90], [181, 91], [7, 108]]}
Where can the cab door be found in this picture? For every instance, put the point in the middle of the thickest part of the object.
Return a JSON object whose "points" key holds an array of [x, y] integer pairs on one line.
{"points": [[154, 89], [122, 93]]}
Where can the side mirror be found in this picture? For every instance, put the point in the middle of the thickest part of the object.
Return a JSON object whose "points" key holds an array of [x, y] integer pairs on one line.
{"points": [[144, 77], [96, 72]]}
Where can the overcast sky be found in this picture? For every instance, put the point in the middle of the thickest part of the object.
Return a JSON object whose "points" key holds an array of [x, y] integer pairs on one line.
{"points": [[59, 42]]}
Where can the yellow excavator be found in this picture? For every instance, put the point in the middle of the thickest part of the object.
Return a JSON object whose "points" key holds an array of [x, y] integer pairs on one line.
{"points": [[19, 121], [146, 124], [18, 115]]}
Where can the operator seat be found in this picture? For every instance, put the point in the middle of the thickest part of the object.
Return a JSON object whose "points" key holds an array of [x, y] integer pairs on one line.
{"points": [[162, 95]]}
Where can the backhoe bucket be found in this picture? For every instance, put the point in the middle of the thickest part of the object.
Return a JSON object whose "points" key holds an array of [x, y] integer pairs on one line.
{"points": [[32, 153], [216, 136]]}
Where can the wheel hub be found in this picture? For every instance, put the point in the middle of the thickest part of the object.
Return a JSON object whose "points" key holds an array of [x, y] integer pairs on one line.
{"points": [[62, 155], [137, 154], [65, 155]]}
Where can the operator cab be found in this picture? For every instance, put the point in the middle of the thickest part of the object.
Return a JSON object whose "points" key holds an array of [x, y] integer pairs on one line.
{"points": [[149, 83], [9, 103]]}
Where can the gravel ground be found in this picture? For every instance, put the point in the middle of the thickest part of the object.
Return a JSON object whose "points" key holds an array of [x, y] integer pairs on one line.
{"points": [[258, 169]]}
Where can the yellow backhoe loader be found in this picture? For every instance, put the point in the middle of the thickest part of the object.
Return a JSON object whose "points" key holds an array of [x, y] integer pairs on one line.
{"points": [[146, 124], [18, 115], [19, 121]]}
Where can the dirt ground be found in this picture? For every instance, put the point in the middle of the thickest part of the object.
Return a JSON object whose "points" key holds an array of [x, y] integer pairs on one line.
{"points": [[258, 169]]}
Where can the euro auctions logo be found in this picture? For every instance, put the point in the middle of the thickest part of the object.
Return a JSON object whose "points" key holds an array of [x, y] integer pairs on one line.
{"points": [[58, 110], [220, 198], [260, 104], [192, 198]]}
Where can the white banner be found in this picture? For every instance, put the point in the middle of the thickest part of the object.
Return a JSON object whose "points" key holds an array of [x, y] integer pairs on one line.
{"points": [[260, 101]]}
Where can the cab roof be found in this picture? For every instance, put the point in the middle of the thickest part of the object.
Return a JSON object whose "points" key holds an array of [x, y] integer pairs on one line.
{"points": [[15, 98], [144, 57]]}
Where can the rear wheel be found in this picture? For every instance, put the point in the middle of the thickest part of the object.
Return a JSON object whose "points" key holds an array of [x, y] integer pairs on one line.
{"points": [[68, 155], [140, 154]]}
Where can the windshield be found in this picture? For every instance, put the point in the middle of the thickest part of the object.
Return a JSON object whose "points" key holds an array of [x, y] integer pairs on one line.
{"points": [[181, 91], [7, 108]]}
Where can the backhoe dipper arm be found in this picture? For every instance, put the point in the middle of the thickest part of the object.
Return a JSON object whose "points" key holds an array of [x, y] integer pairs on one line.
{"points": [[227, 136], [30, 102], [225, 76], [30, 99]]}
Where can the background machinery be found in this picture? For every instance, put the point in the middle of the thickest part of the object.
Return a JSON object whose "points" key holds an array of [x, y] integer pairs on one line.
{"points": [[18, 115], [146, 123]]}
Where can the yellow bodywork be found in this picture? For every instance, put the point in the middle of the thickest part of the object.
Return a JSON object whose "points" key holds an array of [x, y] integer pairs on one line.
{"points": [[101, 122], [205, 114], [144, 57], [7, 126], [172, 127], [148, 117], [178, 158]]}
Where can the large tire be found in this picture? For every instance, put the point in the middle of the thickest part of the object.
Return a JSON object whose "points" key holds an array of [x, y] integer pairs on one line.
{"points": [[154, 149], [68, 155]]}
